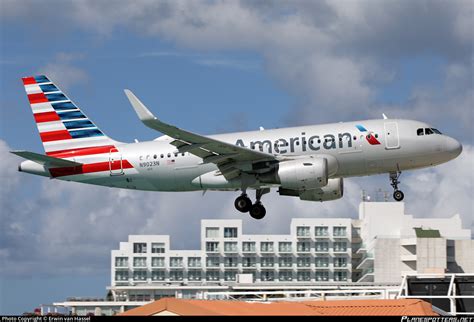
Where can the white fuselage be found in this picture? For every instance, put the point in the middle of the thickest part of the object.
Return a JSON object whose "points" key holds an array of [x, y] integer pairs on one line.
{"points": [[158, 166]]}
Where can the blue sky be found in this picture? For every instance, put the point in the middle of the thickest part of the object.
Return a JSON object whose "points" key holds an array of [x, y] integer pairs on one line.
{"points": [[212, 67]]}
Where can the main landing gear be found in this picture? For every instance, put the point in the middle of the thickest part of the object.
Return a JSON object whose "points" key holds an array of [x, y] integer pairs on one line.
{"points": [[397, 194], [244, 204]]}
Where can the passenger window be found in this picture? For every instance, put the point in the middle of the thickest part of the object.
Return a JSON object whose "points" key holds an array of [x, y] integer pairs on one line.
{"points": [[169, 155], [162, 156], [176, 155], [428, 131], [155, 156], [419, 132]]}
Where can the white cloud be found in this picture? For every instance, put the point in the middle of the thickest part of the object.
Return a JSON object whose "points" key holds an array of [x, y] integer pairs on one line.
{"points": [[332, 55], [63, 71]]}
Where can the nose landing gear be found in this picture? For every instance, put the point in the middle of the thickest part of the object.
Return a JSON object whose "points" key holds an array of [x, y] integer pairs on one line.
{"points": [[397, 194], [244, 204]]}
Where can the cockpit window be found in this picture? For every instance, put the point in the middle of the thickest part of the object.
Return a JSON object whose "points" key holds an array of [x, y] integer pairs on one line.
{"points": [[428, 131], [420, 132], [437, 131]]}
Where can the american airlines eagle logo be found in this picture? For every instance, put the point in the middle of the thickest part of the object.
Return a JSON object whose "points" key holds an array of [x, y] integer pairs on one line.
{"points": [[370, 137]]}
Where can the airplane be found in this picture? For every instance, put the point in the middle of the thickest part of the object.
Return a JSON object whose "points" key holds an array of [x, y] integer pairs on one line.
{"points": [[308, 162]]}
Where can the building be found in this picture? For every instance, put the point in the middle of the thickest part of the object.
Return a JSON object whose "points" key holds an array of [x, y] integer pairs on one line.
{"points": [[396, 244], [323, 256], [179, 307]]}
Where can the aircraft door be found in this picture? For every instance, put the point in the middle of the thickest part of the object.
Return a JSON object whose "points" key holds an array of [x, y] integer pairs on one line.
{"points": [[115, 162], [392, 139]]}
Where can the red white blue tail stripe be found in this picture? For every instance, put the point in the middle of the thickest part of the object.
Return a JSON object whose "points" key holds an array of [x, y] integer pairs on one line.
{"points": [[66, 132], [61, 124]]}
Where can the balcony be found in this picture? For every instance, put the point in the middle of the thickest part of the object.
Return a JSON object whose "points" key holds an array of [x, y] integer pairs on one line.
{"points": [[367, 276], [367, 262], [408, 258], [321, 250], [322, 236]]}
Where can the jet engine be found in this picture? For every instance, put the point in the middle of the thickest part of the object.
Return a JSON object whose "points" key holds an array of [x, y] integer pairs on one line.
{"points": [[303, 174], [332, 191]]}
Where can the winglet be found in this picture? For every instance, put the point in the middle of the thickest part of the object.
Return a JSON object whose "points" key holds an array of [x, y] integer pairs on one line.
{"points": [[143, 113], [384, 116]]}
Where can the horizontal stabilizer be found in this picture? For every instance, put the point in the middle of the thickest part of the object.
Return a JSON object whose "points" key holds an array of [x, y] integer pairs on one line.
{"points": [[46, 160]]}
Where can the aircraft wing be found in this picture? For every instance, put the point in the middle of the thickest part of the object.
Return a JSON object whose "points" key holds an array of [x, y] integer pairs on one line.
{"points": [[46, 160], [210, 150]]}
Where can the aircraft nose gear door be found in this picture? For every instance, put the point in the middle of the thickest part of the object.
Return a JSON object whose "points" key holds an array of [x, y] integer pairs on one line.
{"points": [[392, 140], [115, 162]]}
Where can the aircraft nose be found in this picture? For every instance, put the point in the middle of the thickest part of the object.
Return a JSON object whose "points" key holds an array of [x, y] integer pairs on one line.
{"points": [[453, 147]]}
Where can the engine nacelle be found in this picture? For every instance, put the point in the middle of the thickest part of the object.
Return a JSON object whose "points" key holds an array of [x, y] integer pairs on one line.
{"points": [[303, 174], [332, 191]]}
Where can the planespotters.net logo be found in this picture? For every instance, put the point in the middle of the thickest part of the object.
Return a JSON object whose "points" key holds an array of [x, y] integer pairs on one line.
{"points": [[370, 137]]}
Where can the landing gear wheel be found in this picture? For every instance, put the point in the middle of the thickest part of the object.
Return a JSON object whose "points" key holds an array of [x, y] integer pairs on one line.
{"points": [[257, 211], [398, 195], [243, 203]]}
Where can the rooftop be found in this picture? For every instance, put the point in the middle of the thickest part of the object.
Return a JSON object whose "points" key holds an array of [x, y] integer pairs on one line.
{"points": [[173, 306]]}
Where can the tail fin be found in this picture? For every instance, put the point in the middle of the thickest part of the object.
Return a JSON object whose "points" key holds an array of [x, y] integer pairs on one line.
{"points": [[63, 128]]}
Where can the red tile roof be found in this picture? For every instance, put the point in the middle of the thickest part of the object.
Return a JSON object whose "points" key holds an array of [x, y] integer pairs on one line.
{"points": [[399, 307]]}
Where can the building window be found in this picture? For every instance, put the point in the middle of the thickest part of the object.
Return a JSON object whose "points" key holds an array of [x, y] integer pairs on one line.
{"points": [[121, 275], [340, 276], [139, 262], [212, 232], [231, 262], [157, 248], [339, 231], [212, 276], [212, 262], [266, 247], [285, 247], [303, 276], [230, 232], [194, 262], [266, 276], [230, 247], [230, 276], [340, 246], [176, 275], [249, 262], [139, 248], [139, 275], [212, 246], [285, 262], [158, 275], [121, 261], [176, 262], [340, 262], [248, 246], [322, 261], [322, 276], [285, 276], [267, 262], [303, 246], [321, 246], [303, 262], [158, 262], [194, 275], [302, 231], [321, 231]]}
